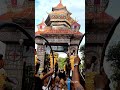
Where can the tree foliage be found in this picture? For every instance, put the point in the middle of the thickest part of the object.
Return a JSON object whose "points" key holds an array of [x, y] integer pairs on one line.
{"points": [[82, 50], [61, 62], [114, 57]]}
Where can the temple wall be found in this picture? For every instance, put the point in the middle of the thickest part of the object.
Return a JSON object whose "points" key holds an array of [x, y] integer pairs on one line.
{"points": [[14, 67]]}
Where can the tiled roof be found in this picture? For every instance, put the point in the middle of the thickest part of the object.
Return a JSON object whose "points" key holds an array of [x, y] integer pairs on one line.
{"points": [[60, 5], [104, 17], [25, 13], [55, 31], [75, 23], [99, 17], [42, 23], [58, 12], [7, 16]]}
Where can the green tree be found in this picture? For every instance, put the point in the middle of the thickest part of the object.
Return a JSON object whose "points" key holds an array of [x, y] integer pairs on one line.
{"points": [[114, 57], [61, 62], [82, 51]]}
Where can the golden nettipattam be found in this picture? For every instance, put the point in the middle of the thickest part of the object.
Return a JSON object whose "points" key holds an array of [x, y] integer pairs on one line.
{"points": [[55, 59], [89, 80], [72, 61]]}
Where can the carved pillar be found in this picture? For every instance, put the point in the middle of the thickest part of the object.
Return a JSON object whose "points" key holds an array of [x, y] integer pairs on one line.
{"points": [[41, 55], [72, 49]]}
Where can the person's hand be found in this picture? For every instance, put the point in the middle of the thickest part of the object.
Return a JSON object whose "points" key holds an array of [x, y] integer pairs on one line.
{"points": [[80, 87], [77, 60], [51, 71], [77, 85], [36, 75]]}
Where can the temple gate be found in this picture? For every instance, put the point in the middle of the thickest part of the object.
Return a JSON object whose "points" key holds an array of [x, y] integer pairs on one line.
{"points": [[61, 31], [17, 33]]}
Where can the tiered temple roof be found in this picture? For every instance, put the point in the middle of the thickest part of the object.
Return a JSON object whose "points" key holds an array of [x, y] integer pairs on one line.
{"points": [[100, 17], [55, 31], [60, 8], [59, 21], [97, 13], [25, 13]]}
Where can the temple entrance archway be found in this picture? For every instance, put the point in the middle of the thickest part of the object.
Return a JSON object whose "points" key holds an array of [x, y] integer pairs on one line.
{"points": [[18, 51], [61, 31]]}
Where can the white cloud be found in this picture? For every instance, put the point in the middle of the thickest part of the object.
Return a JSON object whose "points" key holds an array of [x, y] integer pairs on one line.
{"points": [[76, 7]]}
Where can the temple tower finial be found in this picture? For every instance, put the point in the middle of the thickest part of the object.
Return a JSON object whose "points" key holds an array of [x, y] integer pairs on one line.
{"points": [[43, 20], [60, 1]]}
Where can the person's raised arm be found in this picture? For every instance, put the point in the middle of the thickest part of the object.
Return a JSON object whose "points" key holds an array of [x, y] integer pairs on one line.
{"points": [[48, 74], [76, 75]]}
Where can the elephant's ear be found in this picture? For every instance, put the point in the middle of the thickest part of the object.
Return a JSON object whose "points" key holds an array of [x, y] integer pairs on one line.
{"points": [[112, 39]]}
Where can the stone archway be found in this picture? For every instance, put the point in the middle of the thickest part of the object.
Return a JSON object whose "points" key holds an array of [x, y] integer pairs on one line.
{"points": [[112, 39], [15, 54], [3, 25]]}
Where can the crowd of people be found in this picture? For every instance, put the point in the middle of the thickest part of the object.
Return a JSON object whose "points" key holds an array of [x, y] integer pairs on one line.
{"points": [[61, 80], [95, 80], [5, 82], [56, 79]]}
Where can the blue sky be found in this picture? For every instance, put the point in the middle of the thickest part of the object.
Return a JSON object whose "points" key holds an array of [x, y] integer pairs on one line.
{"points": [[76, 7]]}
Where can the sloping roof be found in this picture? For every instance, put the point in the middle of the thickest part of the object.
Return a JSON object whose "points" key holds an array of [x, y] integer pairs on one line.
{"points": [[100, 17], [55, 31], [28, 12], [60, 5], [42, 23], [7, 16], [104, 17], [25, 13], [58, 12], [75, 23]]}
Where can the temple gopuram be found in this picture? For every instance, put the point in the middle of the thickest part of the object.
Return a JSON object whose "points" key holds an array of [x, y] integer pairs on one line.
{"points": [[61, 31]]}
